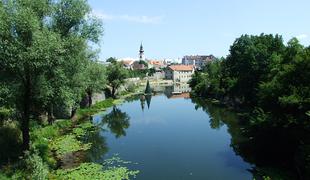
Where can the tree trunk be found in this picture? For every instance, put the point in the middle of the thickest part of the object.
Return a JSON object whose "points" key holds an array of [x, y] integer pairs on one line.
{"points": [[50, 114], [90, 100], [73, 112], [113, 92], [26, 115]]}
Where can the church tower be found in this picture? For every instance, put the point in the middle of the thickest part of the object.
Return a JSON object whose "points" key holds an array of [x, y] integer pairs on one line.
{"points": [[141, 53]]}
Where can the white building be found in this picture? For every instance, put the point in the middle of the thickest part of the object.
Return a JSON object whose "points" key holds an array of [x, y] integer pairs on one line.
{"points": [[180, 73], [199, 61]]}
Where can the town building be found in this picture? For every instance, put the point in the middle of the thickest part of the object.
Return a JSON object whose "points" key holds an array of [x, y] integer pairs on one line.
{"points": [[179, 73], [156, 64], [128, 64], [139, 65], [199, 61]]}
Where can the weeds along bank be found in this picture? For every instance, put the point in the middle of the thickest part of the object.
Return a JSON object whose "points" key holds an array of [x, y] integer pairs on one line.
{"points": [[58, 151]]}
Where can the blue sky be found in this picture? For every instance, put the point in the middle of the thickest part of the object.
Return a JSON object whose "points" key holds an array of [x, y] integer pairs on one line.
{"points": [[174, 28]]}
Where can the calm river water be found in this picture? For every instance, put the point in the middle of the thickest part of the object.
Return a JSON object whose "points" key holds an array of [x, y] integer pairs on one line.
{"points": [[171, 138]]}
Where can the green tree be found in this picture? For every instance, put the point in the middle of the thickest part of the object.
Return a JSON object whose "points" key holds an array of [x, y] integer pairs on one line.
{"points": [[288, 86], [73, 21], [27, 50], [95, 79], [43, 48], [208, 81], [247, 64], [111, 60], [116, 76], [261, 72]]}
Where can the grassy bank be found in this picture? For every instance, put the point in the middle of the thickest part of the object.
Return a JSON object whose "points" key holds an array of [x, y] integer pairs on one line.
{"points": [[58, 151]]}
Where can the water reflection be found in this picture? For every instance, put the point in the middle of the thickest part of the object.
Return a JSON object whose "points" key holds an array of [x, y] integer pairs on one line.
{"points": [[117, 121], [99, 146], [147, 99], [277, 152], [178, 91], [280, 153]]}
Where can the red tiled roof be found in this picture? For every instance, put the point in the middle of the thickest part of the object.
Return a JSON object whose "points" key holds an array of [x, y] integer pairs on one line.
{"points": [[156, 62], [182, 67]]}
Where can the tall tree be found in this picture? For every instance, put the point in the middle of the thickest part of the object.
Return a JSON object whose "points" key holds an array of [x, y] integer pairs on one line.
{"points": [[116, 76], [95, 79], [43, 47], [248, 64]]}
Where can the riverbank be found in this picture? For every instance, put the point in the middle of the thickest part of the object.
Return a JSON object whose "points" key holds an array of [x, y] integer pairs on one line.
{"points": [[58, 151]]}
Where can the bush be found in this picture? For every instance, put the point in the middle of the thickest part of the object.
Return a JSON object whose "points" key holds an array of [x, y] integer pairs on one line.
{"points": [[42, 137], [131, 87], [10, 142], [36, 167]]}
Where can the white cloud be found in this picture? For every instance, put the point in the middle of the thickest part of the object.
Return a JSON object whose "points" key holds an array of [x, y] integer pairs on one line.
{"points": [[129, 18], [302, 36]]}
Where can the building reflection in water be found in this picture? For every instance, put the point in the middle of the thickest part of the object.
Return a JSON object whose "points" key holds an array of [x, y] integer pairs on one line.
{"points": [[178, 90]]}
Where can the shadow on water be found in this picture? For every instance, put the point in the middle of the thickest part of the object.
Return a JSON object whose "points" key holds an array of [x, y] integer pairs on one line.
{"points": [[277, 152]]}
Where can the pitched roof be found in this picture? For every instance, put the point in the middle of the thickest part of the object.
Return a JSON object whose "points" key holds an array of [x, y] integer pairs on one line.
{"points": [[182, 67], [156, 62], [127, 62]]}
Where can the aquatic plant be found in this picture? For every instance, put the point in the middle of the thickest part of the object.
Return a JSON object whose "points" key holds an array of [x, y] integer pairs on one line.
{"points": [[90, 171], [67, 144]]}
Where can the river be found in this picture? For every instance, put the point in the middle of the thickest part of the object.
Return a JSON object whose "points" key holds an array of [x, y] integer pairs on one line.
{"points": [[171, 136]]}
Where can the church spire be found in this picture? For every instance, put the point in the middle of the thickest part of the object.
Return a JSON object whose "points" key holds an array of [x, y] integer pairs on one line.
{"points": [[141, 53], [141, 48]]}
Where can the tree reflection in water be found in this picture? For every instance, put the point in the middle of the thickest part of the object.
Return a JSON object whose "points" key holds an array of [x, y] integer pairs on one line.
{"points": [[277, 152], [117, 121], [148, 100], [99, 146]]}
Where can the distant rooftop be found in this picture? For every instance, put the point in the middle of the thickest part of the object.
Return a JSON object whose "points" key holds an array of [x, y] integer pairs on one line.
{"points": [[199, 56], [182, 67]]}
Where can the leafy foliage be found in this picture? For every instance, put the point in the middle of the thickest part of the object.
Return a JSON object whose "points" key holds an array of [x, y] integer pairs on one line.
{"points": [[116, 75], [10, 142], [44, 53], [261, 71], [36, 166], [95, 79]]}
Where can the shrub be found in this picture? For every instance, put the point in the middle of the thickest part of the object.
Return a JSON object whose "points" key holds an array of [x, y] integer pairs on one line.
{"points": [[36, 167]]}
